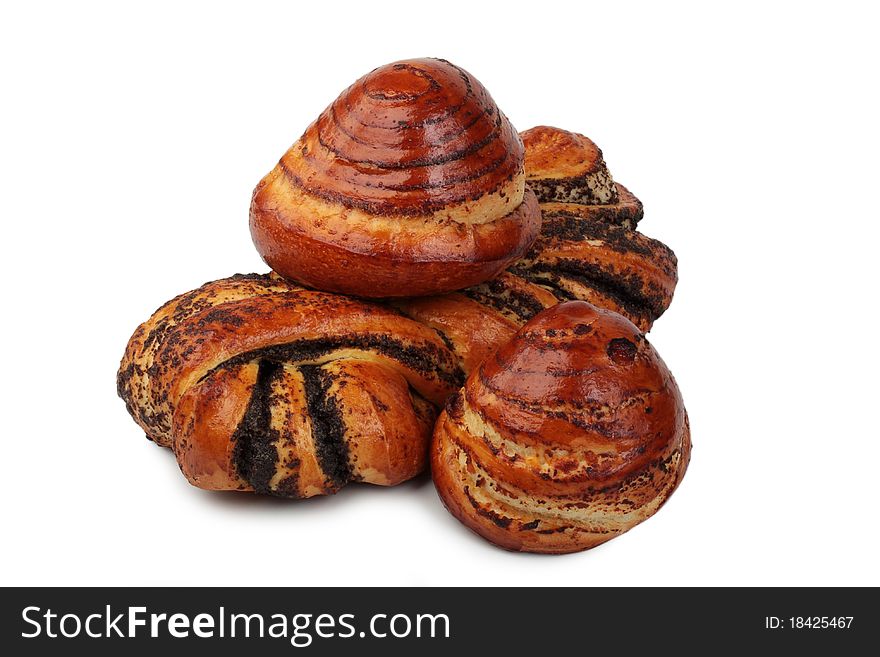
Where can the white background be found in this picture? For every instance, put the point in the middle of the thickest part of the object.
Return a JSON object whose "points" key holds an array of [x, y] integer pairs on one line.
{"points": [[131, 141]]}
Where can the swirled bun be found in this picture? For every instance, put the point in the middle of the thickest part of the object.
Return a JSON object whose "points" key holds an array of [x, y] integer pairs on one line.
{"points": [[589, 249], [570, 435], [410, 183], [258, 385]]}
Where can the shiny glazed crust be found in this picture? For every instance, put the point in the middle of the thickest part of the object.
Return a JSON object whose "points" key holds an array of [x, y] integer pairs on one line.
{"points": [[570, 435], [259, 385], [410, 183], [208, 416]]}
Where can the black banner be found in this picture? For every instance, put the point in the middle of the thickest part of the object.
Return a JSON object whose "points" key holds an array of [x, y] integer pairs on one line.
{"points": [[398, 621]]}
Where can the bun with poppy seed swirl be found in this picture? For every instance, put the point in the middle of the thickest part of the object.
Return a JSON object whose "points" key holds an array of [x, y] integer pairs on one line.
{"points": [[589, 249], [258, 385], [570, 435], [410, 183]]}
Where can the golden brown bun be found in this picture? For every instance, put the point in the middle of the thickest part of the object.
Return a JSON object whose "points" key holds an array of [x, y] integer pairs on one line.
{"points": [[571, 434], [610, 266], [258, 385], [410, 183], [589, 249], [566, 167], [476, 321]]}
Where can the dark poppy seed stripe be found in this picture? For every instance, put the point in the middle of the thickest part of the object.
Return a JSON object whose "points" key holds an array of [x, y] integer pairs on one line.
{"points": [[617, 238], [254, 452], [630, 290], [328, 427], [574, 190], [564, 225], [427, 359], [630, 295], [506, 300], [563, 222]]}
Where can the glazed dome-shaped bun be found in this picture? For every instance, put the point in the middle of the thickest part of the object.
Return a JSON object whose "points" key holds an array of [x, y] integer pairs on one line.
{"points": [[410, 183], [571, 434]]}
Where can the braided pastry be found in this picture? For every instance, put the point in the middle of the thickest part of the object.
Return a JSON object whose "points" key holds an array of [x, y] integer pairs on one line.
{"points": [[588, 249], [410, 183], [571, 434], [258, 385]]}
